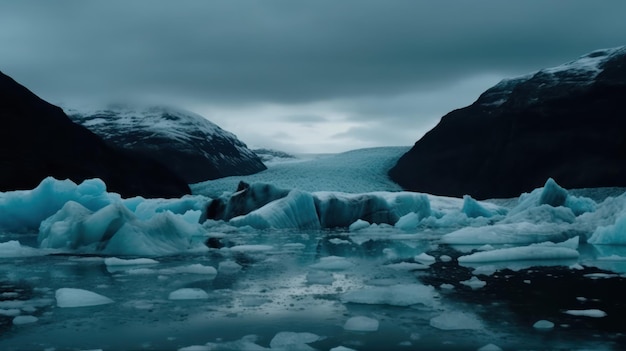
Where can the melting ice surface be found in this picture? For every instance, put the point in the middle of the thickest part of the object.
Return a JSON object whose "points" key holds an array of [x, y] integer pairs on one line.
{"points": [[271, 267]]}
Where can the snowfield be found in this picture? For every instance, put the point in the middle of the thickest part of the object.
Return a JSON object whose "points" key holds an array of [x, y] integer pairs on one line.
{"points": [[323, 253]]}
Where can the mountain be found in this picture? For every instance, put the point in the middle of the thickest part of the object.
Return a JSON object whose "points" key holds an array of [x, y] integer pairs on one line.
{"points": [[38, 140], [193, 147], [567, 123]]}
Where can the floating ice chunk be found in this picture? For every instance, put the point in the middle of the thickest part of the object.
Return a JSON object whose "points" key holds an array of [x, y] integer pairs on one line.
{"points": [[456, 320], [553, 195], [114, 261], [188, 294], [485, 270], [137, 271], [10, 312], [13, 248], [251, 248], [600, 275], [612, 258], [474, 283], [577, 267], [196, 348], [293, 341], [395, 295], [320, 277], [473, 208], [447, 286], [337, 241], [19, 320], [490, 347], [361, 323], [25, 209], [70, 297], [333, 263], [228, 267], [506, 233], [593, 313], [409, 221], [424, 258], [196, 268], [445, 258], [542, 251], [296, 210], [247, 343], [341, 348], [543, 324], [359, 224], [614, 234], [114, 229]]}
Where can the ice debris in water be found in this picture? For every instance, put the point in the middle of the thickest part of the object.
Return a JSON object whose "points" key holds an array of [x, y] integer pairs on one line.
{"points": [[490, 347], [474, 283], [19, 320], [359, 224], [114, 261], [293, 341], [424, 258], [593, 313], [361, 323], [611, 234], [456, 320], [13, 248], [541, 251], [395, 295], [543, 324], [188, 294], [71, 297]]}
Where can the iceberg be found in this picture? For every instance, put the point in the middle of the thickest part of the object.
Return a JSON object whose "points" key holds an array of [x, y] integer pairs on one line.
{"points": [[23, 210], [115, 230], [541, 251]]}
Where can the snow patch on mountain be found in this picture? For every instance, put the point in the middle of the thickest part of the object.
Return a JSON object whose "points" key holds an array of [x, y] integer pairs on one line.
{"points": [[191, 145]]}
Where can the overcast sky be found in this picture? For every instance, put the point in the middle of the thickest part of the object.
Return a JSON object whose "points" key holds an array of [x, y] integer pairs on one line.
{"points": [[315, 76]]}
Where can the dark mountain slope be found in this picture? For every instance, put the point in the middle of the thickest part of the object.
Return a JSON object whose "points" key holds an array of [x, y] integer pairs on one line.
{"points": [[568, 123], [38, 140]]}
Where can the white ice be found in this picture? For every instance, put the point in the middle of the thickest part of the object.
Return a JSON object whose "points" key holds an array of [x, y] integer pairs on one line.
{"points": [[362, 324], [71, 297], [456, 320], [593, 313], [541, 251], [395, 295], [286, 340], [543, 324], [188, 294]]}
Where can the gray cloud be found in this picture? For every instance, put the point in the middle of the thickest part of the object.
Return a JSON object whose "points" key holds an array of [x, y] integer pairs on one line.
{"points": [[282, 51], [305, 118], [397, 61]]}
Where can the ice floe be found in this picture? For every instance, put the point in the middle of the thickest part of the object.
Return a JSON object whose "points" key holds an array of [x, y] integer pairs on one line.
{"points": [[72, 297]]}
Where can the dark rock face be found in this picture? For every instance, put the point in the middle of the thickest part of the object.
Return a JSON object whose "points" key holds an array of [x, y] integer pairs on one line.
{"points": [[193, 147], [568, 123], [38, 140]]}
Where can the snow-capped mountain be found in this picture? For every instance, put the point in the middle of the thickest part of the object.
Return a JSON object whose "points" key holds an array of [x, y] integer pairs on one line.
{"points": [[38, 140], [565, 122], [188, 143]]}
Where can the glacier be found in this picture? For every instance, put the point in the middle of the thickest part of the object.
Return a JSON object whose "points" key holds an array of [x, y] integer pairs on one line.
{"points": [[208, 271]]}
